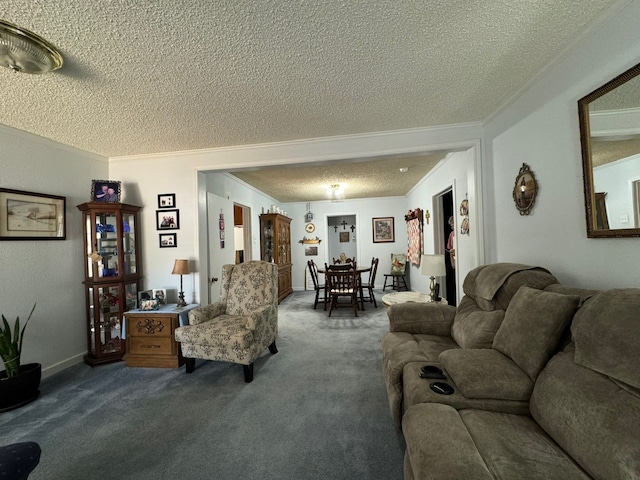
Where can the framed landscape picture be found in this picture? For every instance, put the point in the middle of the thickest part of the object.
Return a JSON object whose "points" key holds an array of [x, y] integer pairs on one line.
{"points": [[31, 216], [383, 230]]}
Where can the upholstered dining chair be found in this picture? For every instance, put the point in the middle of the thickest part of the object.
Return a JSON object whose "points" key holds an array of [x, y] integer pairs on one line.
{"points": [[240, 326], [369, 285], [320, 288], [341, 281]]}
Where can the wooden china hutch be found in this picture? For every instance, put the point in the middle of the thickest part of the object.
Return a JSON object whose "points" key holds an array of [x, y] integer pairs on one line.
{"points": [[112, 275], [275, 246]]}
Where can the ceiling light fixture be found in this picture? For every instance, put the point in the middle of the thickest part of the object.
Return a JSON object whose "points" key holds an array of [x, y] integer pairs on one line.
{"points": [[24, 51], [336, 192]]}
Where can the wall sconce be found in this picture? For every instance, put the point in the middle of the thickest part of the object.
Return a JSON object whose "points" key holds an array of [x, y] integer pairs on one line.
{"points": [[181, 267]]}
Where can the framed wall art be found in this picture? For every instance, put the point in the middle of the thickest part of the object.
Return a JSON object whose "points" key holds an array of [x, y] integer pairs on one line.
{"points": [[383, 230], [344, 237], [106, 191], [167, 200], [31, 216], [168, 240], [168, 219]]}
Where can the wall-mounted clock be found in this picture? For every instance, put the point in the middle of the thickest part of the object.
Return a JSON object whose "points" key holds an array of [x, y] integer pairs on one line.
{"points": [[310, 227]]}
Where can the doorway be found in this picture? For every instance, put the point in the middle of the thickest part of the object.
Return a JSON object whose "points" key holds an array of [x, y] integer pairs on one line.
{"points": [[448, 240], [341, 236], [242, 232]]}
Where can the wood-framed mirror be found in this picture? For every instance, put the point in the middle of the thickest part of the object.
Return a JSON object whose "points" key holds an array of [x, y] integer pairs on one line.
{"points": [[610, 138]]}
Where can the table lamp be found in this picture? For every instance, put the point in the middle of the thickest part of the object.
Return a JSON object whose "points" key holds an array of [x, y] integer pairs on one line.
{"points": [[181, 267], [432, 266]]}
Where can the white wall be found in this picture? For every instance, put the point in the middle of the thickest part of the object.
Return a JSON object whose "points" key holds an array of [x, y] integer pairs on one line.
{"points": [[457, 171], [48, 272], [541, 129]]}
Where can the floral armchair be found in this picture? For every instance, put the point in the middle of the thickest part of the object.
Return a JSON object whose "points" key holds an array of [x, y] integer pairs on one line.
{"points": [[241, 325]]}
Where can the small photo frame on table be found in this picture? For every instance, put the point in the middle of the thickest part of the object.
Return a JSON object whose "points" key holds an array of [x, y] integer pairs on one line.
{"points": [[160, 294], [31, 216], [168, 240], [106, 191], [383, 230], [167, 200], [144, 296], [168, 219]]}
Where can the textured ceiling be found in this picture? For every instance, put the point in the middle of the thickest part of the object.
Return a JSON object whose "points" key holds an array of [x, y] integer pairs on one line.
{"points": [[144, 76]]}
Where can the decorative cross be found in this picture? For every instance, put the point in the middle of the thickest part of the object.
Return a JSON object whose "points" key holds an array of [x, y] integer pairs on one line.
{"points": [[427, 216], [335, 228], [353, 227], [344, 225]]}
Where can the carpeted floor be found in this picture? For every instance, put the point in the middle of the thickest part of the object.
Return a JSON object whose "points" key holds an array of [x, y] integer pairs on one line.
{"points": [[315, 410]]}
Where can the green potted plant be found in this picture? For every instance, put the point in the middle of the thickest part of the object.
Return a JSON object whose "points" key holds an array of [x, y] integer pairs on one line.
{"points": [[18, 383]]}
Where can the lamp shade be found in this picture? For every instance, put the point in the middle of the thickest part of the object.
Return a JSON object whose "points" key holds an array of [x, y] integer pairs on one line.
{"points": [[432, 265], [181, 267]]}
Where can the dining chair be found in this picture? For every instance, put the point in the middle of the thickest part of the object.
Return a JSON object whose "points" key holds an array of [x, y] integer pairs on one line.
{"points": [[397, 272], [320, 288], [369, 285], [341, 281]]}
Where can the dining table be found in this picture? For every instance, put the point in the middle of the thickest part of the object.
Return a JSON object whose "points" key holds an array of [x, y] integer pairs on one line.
{"points": [[359, 271]]}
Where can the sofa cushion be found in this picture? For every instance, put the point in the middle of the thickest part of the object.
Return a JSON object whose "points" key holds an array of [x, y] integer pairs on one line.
{"points": [[532, 327], [486, 373], [594, 419], [606, 346], [473, 327]]}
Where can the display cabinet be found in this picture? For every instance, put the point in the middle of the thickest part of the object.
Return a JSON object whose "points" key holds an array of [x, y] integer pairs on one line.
{"points": [[275, 246], [112, 275]]}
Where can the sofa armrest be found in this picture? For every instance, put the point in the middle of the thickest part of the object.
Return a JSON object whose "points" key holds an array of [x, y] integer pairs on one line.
{"points": [[206, 313], [424, 318]]}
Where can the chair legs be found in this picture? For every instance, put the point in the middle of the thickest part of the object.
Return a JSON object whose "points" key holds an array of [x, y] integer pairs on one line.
{"points": [[248, 373], [190, 364], [248, 369]]}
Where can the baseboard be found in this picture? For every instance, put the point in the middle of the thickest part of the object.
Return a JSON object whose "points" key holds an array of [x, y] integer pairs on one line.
{"points": [[60, 366]]}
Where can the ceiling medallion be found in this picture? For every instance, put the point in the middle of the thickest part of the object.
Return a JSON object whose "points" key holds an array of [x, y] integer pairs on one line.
{"points": [[24, 51]]}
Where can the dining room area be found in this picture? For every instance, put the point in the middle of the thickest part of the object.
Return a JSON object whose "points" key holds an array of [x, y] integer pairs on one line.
{"points": [[344, 283]]}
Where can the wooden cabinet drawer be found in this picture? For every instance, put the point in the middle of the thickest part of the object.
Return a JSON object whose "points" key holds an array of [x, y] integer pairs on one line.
{"points": [[151, 345], [157, 326]]}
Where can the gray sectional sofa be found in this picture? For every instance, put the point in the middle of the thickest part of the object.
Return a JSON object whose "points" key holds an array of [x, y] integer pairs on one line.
{"points": [[556, 393]]}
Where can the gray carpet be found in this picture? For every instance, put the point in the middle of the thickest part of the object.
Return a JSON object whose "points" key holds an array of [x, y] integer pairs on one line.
{"points": [[315, 410]]}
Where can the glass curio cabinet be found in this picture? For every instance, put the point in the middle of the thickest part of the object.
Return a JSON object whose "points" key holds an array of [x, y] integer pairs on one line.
{"points": [[275, 246], [112, 275]]}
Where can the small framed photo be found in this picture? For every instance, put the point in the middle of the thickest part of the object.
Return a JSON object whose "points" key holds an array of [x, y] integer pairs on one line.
{"points": [[311, 251], [383, 230], [344, 237], [168, 219], [144, 296], [31, 216], [166, 200], [160, 294], [105, 191], [168, 240]]}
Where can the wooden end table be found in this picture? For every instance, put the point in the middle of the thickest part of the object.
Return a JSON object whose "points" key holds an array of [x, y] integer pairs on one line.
{"points": [[150, 338]]}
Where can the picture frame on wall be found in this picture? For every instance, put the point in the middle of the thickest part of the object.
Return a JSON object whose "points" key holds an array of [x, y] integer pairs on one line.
{"points": [[344, 237], [167, 200], [106, 191], [168, 219], [383, 230], [32, 216], [311, 251], [168, 240]]}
